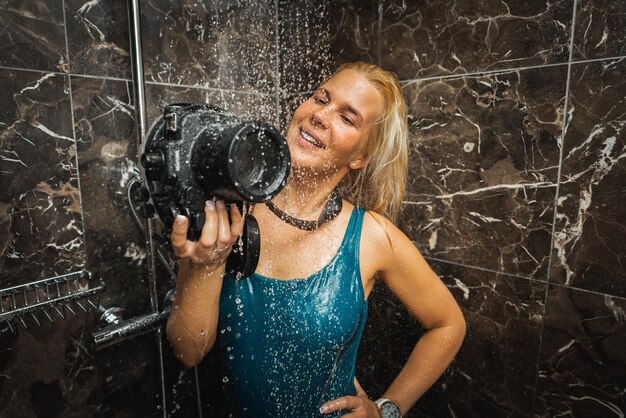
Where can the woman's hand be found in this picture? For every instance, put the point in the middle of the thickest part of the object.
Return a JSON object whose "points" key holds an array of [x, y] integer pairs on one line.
{"points": [[360, 405], [192, 323], [216, 239]]}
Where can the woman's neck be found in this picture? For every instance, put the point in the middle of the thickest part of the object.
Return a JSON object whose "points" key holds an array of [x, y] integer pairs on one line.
{"points": [[304, 195]]}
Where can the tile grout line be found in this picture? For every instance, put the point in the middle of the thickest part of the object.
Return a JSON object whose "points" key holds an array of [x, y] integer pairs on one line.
{"points": [[566, 121], [408, 81], [73, 122], [109, 78], [516, 276], [404, 82]]}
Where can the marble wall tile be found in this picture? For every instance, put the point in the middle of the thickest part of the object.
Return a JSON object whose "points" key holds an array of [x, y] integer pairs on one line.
{"points": [[589, 251], [106, 136], [316, 36], [483, 167], [428, 38], [33, 35], [129, 380], [599, 29], [97, 36], [41, 231], [583, 356], [223, 44], [494, 372], [48, 370]]}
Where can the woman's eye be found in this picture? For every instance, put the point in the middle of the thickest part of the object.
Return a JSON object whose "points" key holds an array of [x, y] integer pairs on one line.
{"points": [[347, 120], [319, 100]]}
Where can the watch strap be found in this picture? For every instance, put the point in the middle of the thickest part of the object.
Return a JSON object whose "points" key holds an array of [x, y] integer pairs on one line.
{"points": [[380, 401]]}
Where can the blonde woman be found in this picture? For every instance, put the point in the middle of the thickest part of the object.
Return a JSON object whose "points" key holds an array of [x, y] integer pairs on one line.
{"points": [[288, 335]]}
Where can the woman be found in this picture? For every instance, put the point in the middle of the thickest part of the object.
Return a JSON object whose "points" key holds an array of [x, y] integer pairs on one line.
{"points": [[288, 335]]}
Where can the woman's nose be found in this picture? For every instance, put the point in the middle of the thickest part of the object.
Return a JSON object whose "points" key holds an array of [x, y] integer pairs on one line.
{"points": [[318, 119]]}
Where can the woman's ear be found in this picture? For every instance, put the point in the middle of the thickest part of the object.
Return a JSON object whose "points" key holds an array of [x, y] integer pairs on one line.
{"points": [[358, 163]]}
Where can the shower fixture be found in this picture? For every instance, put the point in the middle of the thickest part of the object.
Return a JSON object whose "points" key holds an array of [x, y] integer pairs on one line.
{"points": [[47, 299]]}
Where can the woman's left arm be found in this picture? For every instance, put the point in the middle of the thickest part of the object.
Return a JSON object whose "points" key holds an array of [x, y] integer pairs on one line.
{"points": [[412, 280], [401, 266]]}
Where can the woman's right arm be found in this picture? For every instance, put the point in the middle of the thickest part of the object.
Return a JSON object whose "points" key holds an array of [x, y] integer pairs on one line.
{"points": [[192, 323]]}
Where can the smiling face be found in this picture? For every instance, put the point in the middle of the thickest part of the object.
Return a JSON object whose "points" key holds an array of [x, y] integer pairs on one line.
{"points": [[329, 131]]}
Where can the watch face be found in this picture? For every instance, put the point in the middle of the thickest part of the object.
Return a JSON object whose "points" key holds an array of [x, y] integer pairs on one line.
{"points": [[389, 410]]}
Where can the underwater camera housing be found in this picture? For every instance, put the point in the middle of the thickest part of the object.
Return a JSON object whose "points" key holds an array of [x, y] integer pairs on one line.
{"points": [[197, 152]]}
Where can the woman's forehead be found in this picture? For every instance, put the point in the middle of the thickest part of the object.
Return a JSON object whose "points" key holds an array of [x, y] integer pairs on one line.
{"points": [[353, 89]]}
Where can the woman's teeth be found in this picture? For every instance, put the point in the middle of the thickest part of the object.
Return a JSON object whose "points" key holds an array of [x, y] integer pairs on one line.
{"points": [[310, 139]]}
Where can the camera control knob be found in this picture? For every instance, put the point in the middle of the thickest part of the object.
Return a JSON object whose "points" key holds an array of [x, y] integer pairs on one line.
{"points": [[155, 187], [152, 159], [141, 194]]}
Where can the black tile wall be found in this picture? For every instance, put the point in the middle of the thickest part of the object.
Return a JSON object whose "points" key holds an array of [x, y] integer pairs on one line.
{"points": [[588, 246], [582, 358], [314, 37], [33, 35], [516, 183], [484, 163], [494, 372], [599, 29], [430, 38], [97, 37], [41, 228]]}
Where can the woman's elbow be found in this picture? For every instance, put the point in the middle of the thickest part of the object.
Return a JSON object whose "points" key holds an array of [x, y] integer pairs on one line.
{"points": [[189, 351], [460, 327]]}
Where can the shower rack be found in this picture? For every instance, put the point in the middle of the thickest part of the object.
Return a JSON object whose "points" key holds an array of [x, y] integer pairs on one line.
{"points": [[49, 298]]}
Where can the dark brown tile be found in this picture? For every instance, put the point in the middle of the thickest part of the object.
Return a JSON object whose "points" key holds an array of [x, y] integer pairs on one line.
{"points": [[97, 35], [429, 38], [41, 231], [599, 29], [248, 106], [49, 370], [589, 249], [483, 168], [32, 35], [315, 37], [107, 153], [583, 355]]}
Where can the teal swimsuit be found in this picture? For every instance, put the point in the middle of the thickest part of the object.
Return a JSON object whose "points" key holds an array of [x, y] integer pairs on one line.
{"points": [[288, 346]]}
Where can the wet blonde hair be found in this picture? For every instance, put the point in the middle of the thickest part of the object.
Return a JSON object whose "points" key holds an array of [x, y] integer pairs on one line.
{"points": [[380, 185]]}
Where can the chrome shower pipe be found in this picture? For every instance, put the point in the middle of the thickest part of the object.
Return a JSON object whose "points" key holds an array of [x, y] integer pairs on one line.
{"points": [[134, 30]]}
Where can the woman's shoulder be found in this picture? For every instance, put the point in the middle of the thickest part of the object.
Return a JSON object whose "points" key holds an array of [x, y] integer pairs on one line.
{"points": [[380, 232], [377, 230]]}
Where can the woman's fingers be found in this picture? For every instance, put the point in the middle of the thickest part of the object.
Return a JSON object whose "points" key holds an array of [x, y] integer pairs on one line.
{"points": [[345, 402], [236, 224], [179, 235], [223, 237], [208, 235], [217, 235]]}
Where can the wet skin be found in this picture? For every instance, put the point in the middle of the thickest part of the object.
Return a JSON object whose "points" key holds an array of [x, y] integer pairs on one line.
{"points": [[327, 138], [339, 116]]}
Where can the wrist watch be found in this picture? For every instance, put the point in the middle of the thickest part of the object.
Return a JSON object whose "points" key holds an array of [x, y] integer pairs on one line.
{"points": [[387, 408]]}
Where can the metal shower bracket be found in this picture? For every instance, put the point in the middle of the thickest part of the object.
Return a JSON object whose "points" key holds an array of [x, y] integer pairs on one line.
{"points": [[49, 298]]}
